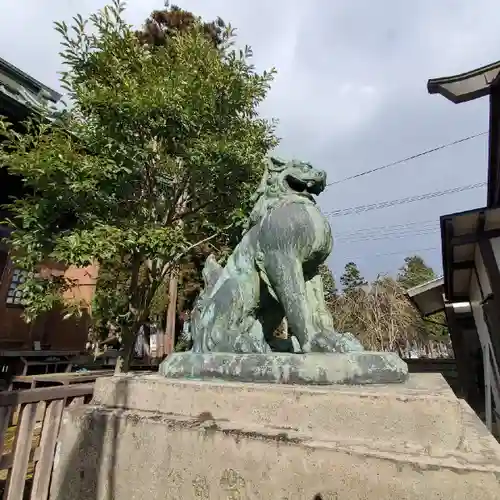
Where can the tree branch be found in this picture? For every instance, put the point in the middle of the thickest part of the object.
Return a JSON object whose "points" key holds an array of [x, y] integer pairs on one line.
{"points": [[179, 256], [187, 213]]}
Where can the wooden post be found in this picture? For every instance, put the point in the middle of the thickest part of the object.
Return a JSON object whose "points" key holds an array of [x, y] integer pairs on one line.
{"points": [[487, 387], [169, 339], [48, 441], [160, 340], [16, 477]]}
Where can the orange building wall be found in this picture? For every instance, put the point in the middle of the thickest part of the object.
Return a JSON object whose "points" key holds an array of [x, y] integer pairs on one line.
{"points": [[51, 330]]}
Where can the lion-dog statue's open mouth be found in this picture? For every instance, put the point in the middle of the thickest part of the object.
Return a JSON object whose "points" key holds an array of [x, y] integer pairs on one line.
{"points": [[306, 181]]}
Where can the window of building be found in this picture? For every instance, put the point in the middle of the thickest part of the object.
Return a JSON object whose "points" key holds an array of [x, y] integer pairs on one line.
{"points": [[14, 293]]}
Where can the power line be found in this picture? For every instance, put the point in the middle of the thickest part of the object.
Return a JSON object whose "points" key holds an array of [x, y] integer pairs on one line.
{"points": [[408, 252], [388, 229], [390, 236], [374, 234], [402, 201], [388, 226], [409, 158]]}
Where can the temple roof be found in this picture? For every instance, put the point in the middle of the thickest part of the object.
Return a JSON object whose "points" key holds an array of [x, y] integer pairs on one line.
{"points": [[21, 94], [465, 86]]}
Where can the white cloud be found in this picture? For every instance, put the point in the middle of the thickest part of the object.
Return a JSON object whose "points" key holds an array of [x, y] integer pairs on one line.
{"points": [[350, 91]]}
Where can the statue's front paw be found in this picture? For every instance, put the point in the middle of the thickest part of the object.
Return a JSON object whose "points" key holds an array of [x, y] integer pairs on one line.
{"points": [[336, 342]]}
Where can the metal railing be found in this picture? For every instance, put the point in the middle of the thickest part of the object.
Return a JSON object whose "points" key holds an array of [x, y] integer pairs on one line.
{"points": [[28, 451]]}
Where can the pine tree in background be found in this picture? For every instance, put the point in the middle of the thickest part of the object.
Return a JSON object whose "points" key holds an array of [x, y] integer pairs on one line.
{"points": [[329, 285], [415, 272], [383, 318], [351, 279], [164, 25]]}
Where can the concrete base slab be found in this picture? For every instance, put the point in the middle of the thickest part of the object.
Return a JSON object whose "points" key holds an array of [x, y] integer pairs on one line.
{"points": [[287, 368], [157, 438]]}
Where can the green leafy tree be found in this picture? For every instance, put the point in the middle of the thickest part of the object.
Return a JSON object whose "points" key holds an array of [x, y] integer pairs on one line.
{"points": [[351, 279], [415, 272], [159, 28], [155, 156], [329, 285]]}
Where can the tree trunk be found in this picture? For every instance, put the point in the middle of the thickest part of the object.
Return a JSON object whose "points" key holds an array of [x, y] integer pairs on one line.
{"points": [[169, 342], [124, 360]]}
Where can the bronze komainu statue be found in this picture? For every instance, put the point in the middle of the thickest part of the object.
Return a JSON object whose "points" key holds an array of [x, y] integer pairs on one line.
{"points": [[273, 273]]}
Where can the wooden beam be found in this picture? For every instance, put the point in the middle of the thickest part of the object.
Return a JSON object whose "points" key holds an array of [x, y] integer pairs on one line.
{"points": [[446, 238], [481, 222], [459, 348], [491, 265], [14, 398], [493, 195], [461, 298], [465, 264], [467, 239]]}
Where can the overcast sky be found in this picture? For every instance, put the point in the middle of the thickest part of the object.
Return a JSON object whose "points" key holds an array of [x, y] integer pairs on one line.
{"points": [[350, 95]]}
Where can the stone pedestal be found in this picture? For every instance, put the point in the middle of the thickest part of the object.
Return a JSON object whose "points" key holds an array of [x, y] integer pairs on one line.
{"points": [[157, 438]]}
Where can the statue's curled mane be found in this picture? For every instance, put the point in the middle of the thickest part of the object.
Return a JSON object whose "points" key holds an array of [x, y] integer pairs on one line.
{"points": [[273, 188]]}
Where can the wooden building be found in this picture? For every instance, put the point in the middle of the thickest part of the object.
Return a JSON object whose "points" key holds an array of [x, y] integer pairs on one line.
{"points": [[470, 289], [20, 96]]}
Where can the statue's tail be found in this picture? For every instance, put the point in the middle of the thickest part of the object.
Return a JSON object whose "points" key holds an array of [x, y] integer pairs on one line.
{"points": [[211, 273]]}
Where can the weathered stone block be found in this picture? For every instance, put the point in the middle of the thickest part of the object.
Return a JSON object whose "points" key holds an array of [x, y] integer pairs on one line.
{"points": [[157, 438]]}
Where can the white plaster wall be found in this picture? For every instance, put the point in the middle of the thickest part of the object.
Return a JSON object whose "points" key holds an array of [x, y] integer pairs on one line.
{"points": [[491, 369], [495, 243]]}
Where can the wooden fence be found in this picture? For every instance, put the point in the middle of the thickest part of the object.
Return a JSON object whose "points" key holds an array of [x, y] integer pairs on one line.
{"points": [[32, 455]]}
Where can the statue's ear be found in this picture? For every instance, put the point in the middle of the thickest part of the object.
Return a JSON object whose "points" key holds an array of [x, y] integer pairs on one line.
{"points": [[276, 164]]}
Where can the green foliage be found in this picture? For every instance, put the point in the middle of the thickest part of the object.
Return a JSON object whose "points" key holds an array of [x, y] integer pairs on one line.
{"points": [[109, 303], [351, 279], [154, 157], [415, 272], [329, 285]]}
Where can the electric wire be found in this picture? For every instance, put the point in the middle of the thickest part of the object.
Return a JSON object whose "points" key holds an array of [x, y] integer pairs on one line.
{"points": [[384, 237], [402, 201], [386, 227], [404, 230], [407, 159], [407, 252], [388, 231]]}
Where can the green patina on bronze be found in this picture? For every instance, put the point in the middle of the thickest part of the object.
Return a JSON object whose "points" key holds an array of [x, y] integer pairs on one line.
{"points": [[272, 274], [354, 368]]}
